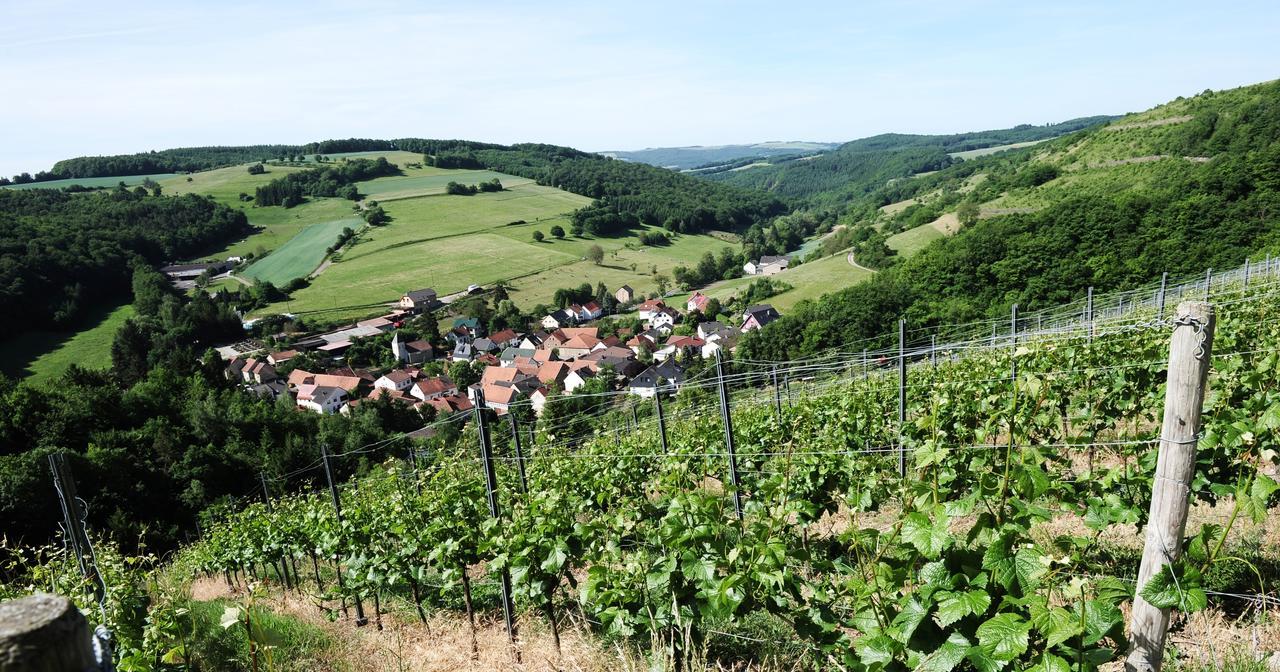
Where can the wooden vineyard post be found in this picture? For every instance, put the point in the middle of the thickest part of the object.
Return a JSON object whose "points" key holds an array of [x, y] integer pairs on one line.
{"points": [[491, 486], [727, 418], [361, 620], [45, 633], [1189, 356], [777, 395]]}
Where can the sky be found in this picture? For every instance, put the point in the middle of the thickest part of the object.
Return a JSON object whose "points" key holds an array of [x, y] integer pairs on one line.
{"points": [[88, 78]]}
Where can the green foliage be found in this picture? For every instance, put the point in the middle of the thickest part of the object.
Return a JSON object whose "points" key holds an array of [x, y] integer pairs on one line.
{"points": [[949, 574], [334, 180], [61, 253], [860, 167]]}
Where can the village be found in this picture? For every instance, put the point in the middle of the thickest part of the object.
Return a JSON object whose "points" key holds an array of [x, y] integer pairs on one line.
{"points": [[558, 354]]}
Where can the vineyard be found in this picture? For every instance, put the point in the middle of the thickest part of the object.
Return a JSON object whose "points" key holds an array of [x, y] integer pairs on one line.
{"points": [[961, 505]]}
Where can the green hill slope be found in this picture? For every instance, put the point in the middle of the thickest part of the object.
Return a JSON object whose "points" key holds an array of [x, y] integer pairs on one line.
{"points": [[1181, 187], [861, 166]]}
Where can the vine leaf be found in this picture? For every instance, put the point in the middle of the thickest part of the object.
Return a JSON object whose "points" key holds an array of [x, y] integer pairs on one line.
{"points": [[955, 606], [1050, 663], [1170, 589], [1025, 565], [1004, 637], [946, 657], [1056, 624], [877, 649], [931, 538]]}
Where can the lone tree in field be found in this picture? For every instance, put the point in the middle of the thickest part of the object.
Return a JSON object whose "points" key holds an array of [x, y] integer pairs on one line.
{"points": [[595, 254], [557, 231], [967, 213], [537, 236]]}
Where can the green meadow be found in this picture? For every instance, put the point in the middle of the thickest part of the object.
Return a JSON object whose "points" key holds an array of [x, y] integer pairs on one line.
{"points": [[302, 254], [44, 355], [451, 242]]}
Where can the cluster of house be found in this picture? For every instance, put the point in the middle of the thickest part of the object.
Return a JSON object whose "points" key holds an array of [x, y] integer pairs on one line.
{"points": [[516, 366]]}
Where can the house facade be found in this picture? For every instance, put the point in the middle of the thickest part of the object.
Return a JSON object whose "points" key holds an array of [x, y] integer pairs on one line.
{"points": [[418, 300]]}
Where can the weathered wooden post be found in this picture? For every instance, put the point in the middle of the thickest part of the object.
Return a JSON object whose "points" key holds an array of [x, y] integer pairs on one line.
{"points": [[44, 633], [1189, 353]]}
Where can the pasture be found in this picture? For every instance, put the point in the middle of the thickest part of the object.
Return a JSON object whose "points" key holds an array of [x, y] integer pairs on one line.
{"points": [[430, 181], [302, 254], [450, 242], [41, 356], [92, 182], [908, 243], [812, 280]]}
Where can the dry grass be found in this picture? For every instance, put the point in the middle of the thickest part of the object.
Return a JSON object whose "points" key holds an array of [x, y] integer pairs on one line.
{"points": [[444, 642]]}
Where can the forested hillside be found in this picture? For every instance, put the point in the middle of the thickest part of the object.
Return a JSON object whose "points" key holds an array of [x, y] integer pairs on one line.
{"points": [[1105, 208], [61, 253], [684, 158], [861, 166]]}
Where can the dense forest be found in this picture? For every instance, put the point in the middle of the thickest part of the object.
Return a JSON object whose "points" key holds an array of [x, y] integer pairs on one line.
{"points": [[161, 435], [1106, 234], [334, 180], [626, 194], [179, 160], [859, 167], [61, 253]]}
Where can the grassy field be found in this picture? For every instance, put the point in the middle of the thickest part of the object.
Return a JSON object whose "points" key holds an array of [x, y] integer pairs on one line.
{"points": [[428, 181], [450, 242], [129, 180], [808, 281], [276, 225], [302, 254], [812, 280], [44, 355], [974, 153], [911, 241]]}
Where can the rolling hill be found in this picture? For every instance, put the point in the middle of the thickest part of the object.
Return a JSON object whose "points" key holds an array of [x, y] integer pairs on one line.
{"points": [[861, 166], [698, 156], [1184, 186]]}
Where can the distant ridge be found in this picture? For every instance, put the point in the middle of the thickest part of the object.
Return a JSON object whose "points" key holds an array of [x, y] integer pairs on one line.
{"points": [[698, 156]]}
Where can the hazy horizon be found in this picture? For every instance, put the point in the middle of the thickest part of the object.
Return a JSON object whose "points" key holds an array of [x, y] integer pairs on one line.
{"points": [[87, 79]]}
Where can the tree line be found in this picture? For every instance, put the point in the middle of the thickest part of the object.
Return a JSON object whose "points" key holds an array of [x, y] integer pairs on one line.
{"points": [[335, 180], [62, 254]]}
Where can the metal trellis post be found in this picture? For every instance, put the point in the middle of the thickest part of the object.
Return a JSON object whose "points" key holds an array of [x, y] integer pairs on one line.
{"points": [[491, 483], [361, 620], [727, 418]]}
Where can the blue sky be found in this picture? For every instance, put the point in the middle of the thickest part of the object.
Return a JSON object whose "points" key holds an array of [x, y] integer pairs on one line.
{"points": [[103, 78]]}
